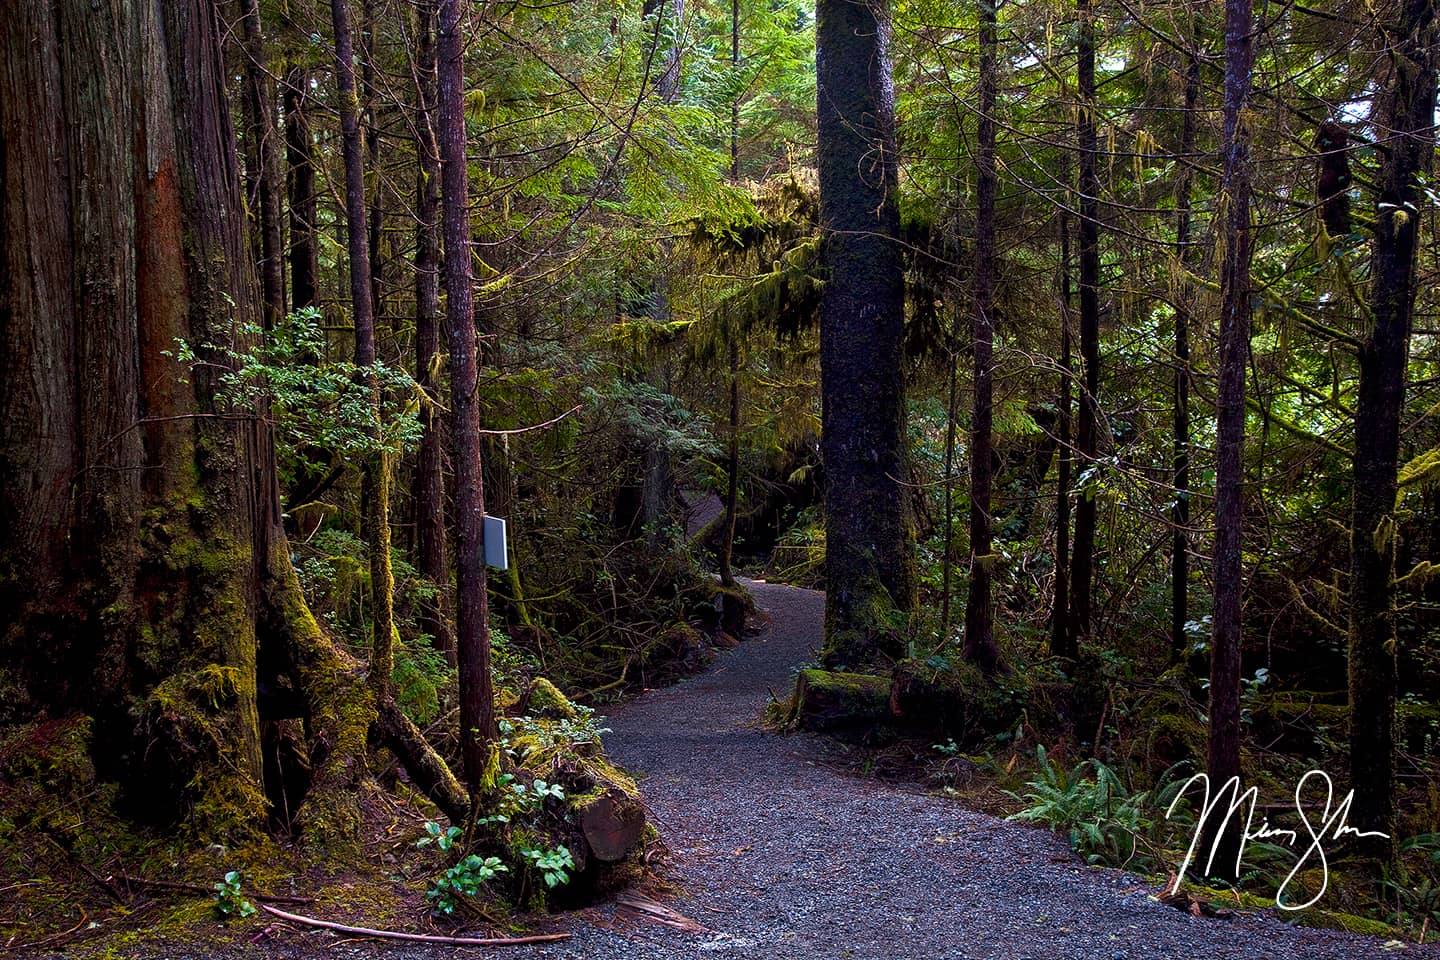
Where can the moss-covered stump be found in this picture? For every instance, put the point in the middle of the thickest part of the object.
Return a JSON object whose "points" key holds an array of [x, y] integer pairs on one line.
{"points": [[830, 701], [958, 701], [601, 818], [544, 699]]}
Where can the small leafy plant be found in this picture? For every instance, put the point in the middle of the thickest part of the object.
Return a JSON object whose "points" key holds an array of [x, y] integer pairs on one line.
{"points": [[229, 902], [554, 864], [443, 839], [463, 880]]}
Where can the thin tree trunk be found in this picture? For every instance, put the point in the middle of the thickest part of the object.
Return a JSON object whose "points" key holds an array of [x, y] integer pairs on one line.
{"points": [[1180, 543], [1406, 117], [264, 144], [1082, 560], [431, 548], [732, 488], [304, 251], [375, 488], [376, 224], [472, 629], [979, 608], [869, 561], [1222, 760], [947, 570], [1061, 640]]}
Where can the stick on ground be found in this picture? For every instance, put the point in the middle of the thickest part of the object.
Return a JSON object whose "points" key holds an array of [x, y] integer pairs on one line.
{"points": [[418, 937]]}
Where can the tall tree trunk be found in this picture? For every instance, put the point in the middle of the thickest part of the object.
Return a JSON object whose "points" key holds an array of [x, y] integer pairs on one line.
{"points": [[431, 549], [869, 561], [375, 488], [299, 151], [1222, 759], [1082, 559], [948, 551], [979, 609], [1406, 119], [1180, 515], [1061, 640], [263, 134], [143, 550], [376, 206], [472, 629], [732, 485]]}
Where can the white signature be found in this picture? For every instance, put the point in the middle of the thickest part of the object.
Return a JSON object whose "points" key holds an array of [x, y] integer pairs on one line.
{"points": [[1332, 826]]}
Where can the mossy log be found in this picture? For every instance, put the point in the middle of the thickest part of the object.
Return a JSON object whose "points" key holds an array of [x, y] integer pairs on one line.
{"points": [[602, 818], [959, 701], [828, 700]]}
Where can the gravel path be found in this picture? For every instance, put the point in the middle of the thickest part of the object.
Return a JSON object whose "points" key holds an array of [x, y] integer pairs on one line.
{"points": [[783, 857]]}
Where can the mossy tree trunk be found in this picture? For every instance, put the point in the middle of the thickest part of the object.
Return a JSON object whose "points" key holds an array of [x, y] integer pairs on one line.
{"points": [[144, 575], [869, 561], [1407, 112]]}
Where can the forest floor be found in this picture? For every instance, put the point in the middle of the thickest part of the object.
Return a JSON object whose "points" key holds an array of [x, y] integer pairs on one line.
{"points": [[776, 852]]}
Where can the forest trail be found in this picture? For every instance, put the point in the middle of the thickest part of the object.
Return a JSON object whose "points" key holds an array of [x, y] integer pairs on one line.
{"points": [[779, 855]]}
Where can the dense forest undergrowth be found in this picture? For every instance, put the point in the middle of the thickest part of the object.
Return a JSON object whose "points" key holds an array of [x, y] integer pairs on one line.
{"points": [[1083, 354]]}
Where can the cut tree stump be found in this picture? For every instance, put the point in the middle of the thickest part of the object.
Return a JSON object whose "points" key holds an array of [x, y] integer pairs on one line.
{"points": [[613, 824]]}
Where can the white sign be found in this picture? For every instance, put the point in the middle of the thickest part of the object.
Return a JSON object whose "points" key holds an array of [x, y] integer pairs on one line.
{"points": [[496, 554]]}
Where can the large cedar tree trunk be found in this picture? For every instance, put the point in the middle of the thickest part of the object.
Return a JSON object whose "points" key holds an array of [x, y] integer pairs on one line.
{"points": [[144, 575], [869, 562]]}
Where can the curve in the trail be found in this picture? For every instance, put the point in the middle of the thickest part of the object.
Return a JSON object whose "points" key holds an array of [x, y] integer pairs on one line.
{"points": [[780, 856]]}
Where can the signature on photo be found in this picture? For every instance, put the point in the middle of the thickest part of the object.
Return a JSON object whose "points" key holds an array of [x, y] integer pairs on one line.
{"points": [[1332, 825]]}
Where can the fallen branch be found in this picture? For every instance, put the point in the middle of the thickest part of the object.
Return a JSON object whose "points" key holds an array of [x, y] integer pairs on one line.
{"points": [[417, 937], [198, 888]]}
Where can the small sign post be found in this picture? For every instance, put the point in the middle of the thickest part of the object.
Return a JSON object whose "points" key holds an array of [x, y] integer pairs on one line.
{"points": [[496, 553]]}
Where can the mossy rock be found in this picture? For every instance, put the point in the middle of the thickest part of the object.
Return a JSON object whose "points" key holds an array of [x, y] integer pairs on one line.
{"points": [[828, 700], [958, 701], [544, 699]]}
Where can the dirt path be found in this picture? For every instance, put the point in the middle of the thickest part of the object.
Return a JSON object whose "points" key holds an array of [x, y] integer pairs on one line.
{"points": [[782, 857]]}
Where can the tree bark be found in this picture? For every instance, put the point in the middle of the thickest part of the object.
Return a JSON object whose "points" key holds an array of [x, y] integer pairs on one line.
{"points": [[263, 134], [1407, 112], [472, 631], [147, 581], [1082, 559], [1061, 640], [1180, 515], [869, 562], [375, 486], [431, 547], [304, 252], [979, 608], [1222, 760]]}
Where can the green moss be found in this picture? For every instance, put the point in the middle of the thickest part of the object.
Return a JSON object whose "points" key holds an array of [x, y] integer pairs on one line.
{"points": [[832, 700], [1335, 920], [546, 700]]}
